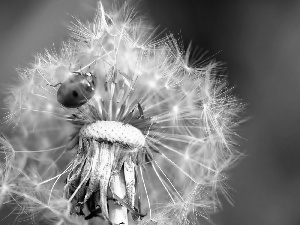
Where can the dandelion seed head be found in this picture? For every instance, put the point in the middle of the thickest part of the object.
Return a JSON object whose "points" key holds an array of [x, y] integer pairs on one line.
{"points": [[155, 119]]}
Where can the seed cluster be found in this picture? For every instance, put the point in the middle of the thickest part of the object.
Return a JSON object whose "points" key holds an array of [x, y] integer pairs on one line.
{"points": [[115, 132]]}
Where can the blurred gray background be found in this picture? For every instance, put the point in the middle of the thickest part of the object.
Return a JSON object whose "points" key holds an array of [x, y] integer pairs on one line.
{"points": [[259, 41]]}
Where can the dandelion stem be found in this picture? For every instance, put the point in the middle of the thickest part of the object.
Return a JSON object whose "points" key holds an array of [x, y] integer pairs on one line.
{"points": [[118, 213]]}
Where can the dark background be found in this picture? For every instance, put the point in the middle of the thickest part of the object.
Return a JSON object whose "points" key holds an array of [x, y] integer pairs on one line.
{"points": [[259, 41]]}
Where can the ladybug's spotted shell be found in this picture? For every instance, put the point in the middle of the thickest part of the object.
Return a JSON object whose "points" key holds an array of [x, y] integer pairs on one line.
{"points": [[76, 90], [115, 132]]}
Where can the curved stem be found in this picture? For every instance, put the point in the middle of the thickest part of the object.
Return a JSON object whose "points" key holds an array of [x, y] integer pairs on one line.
{"points": [[117, 213]]}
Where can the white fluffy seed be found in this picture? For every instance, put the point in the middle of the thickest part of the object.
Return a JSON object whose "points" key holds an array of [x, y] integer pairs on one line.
{"points": [[115, 132]]}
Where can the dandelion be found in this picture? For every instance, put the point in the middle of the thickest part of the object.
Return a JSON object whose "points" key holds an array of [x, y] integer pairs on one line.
{"points": [[119, 126]]}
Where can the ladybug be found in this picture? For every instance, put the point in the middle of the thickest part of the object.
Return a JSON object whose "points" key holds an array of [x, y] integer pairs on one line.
{"points": [[77, 90]]}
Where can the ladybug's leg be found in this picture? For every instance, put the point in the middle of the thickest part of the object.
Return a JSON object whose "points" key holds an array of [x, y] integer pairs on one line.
{"points": [[55, 85], [78, 73]]}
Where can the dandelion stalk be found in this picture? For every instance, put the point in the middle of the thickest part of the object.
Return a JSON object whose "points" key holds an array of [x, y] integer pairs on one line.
{"points": [[118, 213], [145, 131]]}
